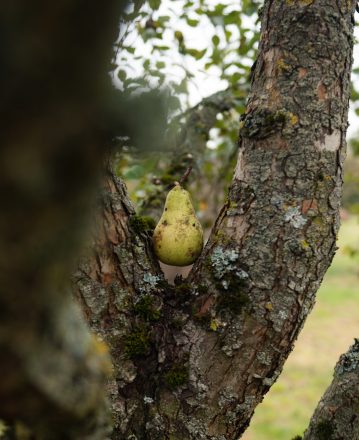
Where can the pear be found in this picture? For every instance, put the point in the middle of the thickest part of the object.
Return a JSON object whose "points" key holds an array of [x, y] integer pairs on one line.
{"points": [[178, 237]]}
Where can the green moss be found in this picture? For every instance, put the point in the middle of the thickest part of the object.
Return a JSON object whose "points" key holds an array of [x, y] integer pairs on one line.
{"points": [[233, 300], [304, 244], [324, 430], [137, 343], [222, 238], [176, 376], [263, 123], [204, 319], [146, 308], [177, 323], [183, 289], [163, 284], [142, 224], [202, 289], [277, 117], [282, 65]]}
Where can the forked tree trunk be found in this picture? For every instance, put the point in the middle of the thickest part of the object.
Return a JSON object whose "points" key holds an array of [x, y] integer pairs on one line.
{"points": [[192, 361]]}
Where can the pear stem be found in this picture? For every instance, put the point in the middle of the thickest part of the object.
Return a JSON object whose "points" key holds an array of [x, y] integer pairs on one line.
{"points": [[185, 175]]}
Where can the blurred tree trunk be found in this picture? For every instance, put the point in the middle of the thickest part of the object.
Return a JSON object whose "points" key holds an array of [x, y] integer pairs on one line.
{"points": [[55, 59], [192, 361]]}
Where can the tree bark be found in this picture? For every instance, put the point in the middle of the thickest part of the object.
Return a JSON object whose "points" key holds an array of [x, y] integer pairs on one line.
{"points": [[336, 417], [193, 360], [276, 237]]}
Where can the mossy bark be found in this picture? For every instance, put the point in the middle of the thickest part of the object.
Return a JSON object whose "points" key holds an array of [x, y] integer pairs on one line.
{"points": [[280, 224], [219, 338]]}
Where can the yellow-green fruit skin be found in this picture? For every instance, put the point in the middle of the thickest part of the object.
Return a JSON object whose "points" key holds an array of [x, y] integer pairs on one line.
{"points": [[178, 237]]}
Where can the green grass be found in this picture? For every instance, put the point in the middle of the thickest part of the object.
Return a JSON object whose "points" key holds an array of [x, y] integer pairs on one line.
{"points": [[328, 332]]}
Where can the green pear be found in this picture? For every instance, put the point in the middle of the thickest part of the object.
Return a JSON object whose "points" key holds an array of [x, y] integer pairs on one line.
{"points": [[178, 237]]}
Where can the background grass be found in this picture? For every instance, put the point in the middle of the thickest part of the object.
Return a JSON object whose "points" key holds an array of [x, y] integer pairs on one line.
{"points": [[328, 332]]}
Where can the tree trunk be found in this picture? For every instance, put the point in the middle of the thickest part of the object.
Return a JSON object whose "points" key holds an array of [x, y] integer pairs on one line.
{"points": [[54, 86], [336, 417], [193, 360]]}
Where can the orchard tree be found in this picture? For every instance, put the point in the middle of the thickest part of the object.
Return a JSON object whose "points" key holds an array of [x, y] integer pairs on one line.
{"points": [[189, 360]]}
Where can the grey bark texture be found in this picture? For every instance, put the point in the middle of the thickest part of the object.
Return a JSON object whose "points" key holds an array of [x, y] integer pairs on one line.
{"points": [[193, 360], [336, 417]]}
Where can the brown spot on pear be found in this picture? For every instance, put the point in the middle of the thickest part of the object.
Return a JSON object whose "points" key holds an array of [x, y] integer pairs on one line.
{"points": [[176, 242]]}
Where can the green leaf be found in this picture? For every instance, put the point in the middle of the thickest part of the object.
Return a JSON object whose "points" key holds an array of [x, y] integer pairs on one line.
{"points": [[160, 64], [134, 172], [195, 53], [174, 103], [129, 49], [232, 18], [163, 19], [160, 48], [215, 40], [122, 75], [154, 4], [181, 87], [192, 22], [228, 35], [179, 36]]}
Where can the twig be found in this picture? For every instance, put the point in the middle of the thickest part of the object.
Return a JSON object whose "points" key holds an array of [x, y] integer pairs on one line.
{"points": [[185, 175]]}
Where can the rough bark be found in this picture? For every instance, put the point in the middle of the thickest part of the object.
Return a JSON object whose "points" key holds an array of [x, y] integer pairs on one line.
{"points": [[53, 95], [336, 417], [193, 360], [276, 237], [115, 285]]}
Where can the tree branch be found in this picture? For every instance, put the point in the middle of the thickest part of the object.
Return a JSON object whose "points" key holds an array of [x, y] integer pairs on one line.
{"points": [[336, 416], [114, 284], [276, 237]]}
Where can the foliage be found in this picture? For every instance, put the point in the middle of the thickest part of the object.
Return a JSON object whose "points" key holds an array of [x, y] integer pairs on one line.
{"points": [[186, 47], [163, 44]]}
